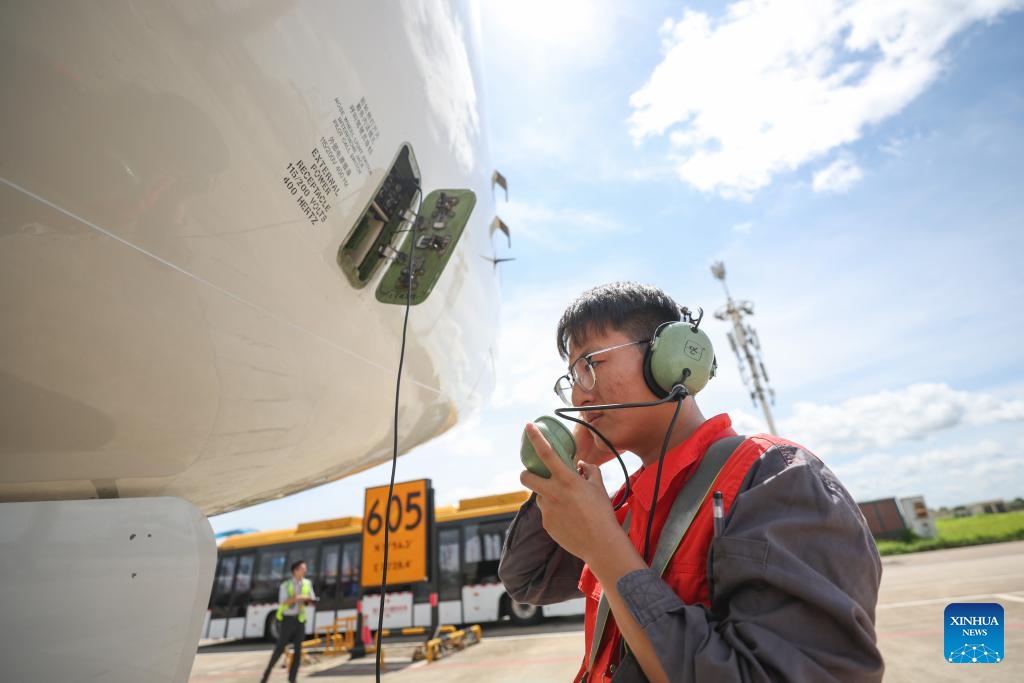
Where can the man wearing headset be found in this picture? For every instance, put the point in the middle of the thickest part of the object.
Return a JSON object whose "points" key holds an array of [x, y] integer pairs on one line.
{"points": [[785, 590]]}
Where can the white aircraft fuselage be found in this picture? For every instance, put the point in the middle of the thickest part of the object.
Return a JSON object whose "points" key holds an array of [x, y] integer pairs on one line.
{"points": [[176, 182], [203, 269]]}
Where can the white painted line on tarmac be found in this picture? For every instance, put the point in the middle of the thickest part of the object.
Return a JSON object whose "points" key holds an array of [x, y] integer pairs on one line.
{"points": [[951, 599], [936, 601], [560, 634], [1011, 575]]}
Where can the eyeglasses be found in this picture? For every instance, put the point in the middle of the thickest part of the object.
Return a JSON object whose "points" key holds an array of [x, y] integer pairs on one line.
{"points": [[582, 372]]}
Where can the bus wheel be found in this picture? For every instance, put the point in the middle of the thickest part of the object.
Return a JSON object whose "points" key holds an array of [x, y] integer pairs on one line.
{"points": [[522, 614], [272, 629]]}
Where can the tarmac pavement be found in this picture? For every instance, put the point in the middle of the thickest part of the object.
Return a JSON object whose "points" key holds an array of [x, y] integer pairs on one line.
{"points": [[915, 592]]}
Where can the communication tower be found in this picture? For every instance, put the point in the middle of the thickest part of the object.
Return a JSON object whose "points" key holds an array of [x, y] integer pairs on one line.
{"points": [[744, 342]]}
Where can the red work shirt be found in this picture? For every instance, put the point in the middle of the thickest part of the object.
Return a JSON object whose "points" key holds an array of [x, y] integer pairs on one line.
{"points": [[686, 575]]}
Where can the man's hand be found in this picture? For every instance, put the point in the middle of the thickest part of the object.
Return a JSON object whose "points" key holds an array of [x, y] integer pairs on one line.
{"points": [[578, 515], [574, 505]]}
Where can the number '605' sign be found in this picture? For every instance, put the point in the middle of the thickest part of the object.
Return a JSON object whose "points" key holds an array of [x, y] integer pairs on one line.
{"points": [[407, 525]]}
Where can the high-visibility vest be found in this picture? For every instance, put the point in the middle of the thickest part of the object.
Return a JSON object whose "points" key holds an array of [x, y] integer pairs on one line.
{"points": [[305, 591]]}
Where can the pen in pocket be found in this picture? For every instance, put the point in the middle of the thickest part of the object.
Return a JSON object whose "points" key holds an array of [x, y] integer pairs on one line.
{"points": [[719, 511]]}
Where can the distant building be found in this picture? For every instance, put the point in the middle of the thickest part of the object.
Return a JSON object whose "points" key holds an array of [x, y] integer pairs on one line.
{"points": [[891, 518], [984, 507]]}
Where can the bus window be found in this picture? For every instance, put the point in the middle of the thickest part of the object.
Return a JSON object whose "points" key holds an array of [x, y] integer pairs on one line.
{"points": [[225, 574], [239, 598], [351, 556], [269, 575], [327, 587], [482, 551], [311, 554], [243, 579], [450, 583], [220, 600], [306, 553]]}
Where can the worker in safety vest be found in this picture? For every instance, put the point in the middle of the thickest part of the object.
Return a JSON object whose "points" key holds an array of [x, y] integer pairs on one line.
{"points": [[295, 593]]}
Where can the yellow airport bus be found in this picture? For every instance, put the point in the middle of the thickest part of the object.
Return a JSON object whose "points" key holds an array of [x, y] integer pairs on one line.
{"points": [[251, 567]]}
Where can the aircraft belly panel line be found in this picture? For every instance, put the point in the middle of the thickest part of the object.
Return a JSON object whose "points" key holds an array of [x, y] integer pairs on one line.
{"points": [[193, 276]]}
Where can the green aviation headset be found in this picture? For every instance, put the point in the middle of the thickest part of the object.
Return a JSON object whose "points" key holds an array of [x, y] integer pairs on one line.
{"points": [[680, 353]]}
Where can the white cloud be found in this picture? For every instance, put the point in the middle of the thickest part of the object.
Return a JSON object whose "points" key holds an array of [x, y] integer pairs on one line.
{"points": [[743, 228], [561, 229], [778, 83], [747, 423], [947, 476], [541, 57], [468, 439], [528, 363], [890, 417], [839, 176], [893, 147], [488, 482], [551, 39]]}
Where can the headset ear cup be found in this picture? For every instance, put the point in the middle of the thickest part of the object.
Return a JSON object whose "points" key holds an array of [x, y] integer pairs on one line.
{"points": [[679, 354], [652, 383]]}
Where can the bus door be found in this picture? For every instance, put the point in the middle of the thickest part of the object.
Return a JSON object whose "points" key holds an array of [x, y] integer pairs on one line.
{"points": [[482, 592], [348, 581], [271, 567], [326, 585], [449, 566], [221, 594], [238, 599], [230, 596]]}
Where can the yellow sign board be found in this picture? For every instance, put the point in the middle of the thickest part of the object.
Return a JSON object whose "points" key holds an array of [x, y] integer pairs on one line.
{"points": [[407, 532]]}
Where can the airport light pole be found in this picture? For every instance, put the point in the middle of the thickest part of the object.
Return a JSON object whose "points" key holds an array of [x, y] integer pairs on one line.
{"points": [[747, 348]]}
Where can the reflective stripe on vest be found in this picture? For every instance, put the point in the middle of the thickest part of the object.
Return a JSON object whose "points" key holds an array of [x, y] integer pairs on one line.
{"points": [[305, 591]]}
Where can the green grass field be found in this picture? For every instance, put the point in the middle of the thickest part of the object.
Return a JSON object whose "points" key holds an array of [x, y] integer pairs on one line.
{"points": [[955, 532]]}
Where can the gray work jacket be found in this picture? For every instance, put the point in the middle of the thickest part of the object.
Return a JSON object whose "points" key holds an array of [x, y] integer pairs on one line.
{"points": [[794, 581]]}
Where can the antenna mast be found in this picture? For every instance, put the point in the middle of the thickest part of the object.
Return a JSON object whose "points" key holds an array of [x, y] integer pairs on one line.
{"points": [[747, 348]]}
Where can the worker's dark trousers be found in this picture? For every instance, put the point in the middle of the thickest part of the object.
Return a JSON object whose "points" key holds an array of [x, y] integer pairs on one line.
{"points": [[292, 631]]}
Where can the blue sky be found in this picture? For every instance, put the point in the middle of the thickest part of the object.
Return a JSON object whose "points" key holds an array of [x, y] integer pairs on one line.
{"points": [[856, 165]]}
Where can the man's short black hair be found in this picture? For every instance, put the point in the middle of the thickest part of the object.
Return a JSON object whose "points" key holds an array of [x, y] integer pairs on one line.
{"points": [[296, 563], [629, 307]]}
